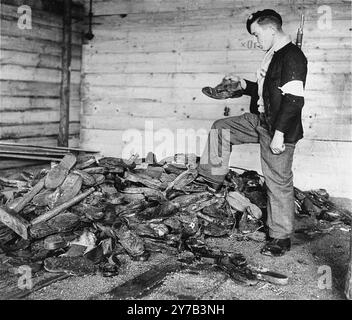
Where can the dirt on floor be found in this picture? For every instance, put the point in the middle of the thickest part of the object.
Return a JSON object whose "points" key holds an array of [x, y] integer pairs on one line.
{"points": [[308, 265]]}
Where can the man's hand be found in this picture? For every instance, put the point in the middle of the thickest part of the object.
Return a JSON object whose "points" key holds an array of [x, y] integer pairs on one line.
{"points": [[277, 145], [235, 78]]}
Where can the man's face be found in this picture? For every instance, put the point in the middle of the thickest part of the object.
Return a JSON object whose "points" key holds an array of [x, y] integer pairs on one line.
{"points": [[264, 35]]}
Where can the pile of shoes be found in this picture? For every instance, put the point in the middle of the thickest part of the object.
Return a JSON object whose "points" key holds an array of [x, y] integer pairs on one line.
{"points": [[323, 214], [136, 206], [85, 213], [317, 203]]}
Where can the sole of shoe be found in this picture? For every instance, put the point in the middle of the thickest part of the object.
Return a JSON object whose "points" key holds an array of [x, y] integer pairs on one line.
{"points": [[269, 253]]}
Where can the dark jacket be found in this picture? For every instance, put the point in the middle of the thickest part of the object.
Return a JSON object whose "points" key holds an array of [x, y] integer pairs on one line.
{"points": [[282, 112]]}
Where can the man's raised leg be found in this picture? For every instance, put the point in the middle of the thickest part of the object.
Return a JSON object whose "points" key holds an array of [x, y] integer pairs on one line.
{"points": [[214, 162]]}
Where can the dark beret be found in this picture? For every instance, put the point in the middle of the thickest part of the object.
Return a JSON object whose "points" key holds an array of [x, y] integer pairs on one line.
{"points": [[262, 13]]}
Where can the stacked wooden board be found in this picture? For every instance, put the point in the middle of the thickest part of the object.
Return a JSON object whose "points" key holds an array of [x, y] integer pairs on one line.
{"points": [[14, 155], [24, 151]]}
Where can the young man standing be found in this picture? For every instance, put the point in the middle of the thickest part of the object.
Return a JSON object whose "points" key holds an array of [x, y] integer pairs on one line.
{"points": [[274, 121]]}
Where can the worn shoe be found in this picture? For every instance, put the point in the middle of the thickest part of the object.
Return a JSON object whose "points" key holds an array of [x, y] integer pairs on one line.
{"points": [[215, 230], [225, 90], [276, 247], [6, 234], [55, 242], [112, 163], [241, 274], [109, 269], [213, 184], [130, 241], [64, 222], [70, 265]]}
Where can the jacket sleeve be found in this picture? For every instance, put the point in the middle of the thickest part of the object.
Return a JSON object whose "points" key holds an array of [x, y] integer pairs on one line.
{"points": [[294, 68], [252, 91]]}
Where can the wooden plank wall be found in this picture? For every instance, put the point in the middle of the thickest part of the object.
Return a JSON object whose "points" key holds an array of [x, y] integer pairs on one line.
{"points": [[30, 74], [144, 70]]}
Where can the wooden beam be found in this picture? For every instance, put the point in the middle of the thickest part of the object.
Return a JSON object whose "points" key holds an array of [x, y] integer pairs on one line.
{"points": [[39, 129], [348, 284], [66, 76], [34, 89], [47, 148], [15, 222], [110, 7], [19, 205], [7, 165], [38, 31], [11, 57], [49, 140], [36, 45], [27, 156], [54, 212], [33, 153]]}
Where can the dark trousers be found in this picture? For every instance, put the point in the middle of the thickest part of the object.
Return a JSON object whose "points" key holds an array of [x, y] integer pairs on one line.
{"points": [[277, 169]]}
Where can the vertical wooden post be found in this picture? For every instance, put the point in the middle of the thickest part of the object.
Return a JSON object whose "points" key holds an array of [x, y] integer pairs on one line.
{"points": [[348, 284], [65, 77]]}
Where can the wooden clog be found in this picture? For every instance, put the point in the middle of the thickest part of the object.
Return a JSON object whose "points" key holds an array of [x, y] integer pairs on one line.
{"points": [[87, 179], [130, 241], [215, 230], [150, 158], [54, 242], [63, 222], [57, 174], [95, 170], [69, 189], [70, 265], [42, 199], [112, 162], [240, 203], [99, 179], [85, 162], [6, 234]]}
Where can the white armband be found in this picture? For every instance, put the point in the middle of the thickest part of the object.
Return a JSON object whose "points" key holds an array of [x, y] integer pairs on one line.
{"points": [[294, 87]]}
